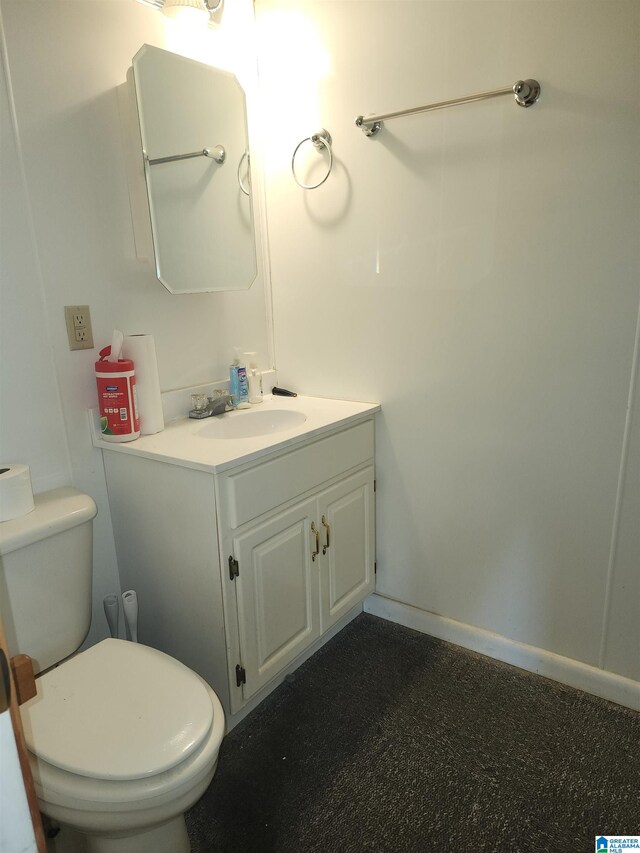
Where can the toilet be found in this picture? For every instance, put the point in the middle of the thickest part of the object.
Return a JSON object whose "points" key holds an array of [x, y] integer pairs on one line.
{"points": [[122, 738]]}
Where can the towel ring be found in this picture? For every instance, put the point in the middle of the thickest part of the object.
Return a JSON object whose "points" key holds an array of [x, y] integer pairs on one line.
{"points": [[242, 186], [321, 139]]}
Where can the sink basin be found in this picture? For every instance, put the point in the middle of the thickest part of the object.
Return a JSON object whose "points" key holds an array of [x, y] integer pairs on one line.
{"points": [[249, 423]]}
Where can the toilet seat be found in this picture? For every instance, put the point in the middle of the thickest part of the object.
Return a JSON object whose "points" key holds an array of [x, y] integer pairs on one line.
{"points": [[113, 694], [124, 808]]}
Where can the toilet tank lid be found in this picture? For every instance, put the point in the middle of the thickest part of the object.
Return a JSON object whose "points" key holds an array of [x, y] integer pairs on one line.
{"points": [[54, 512]]}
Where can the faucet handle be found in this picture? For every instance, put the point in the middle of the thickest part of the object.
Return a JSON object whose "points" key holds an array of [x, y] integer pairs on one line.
{"points": [[203, 406], [199, 402]]}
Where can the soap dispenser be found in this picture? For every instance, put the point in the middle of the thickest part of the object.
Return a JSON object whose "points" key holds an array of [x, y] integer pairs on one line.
{"points": [[254, 377]]}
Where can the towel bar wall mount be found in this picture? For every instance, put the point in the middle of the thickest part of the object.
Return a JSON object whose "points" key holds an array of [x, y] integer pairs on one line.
{"points": [[525, 92], [217, 153]]}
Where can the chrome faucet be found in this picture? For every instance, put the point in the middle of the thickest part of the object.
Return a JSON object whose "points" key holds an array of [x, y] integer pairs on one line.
{"points": [[204, 406]]}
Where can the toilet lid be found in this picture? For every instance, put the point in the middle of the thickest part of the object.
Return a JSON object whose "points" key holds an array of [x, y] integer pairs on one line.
{"points": [[119, 710]]}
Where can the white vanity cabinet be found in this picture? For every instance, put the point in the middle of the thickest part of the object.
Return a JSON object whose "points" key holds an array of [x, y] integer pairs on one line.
{"points": [[243, 572], [296, 567], [299, 571]]}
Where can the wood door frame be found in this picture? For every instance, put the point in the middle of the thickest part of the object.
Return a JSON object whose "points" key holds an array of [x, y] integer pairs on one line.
{"points": [[23, 756]]}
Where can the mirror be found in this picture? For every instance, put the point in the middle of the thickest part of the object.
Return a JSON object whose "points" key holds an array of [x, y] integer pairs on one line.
{"points": [[193, 127]]}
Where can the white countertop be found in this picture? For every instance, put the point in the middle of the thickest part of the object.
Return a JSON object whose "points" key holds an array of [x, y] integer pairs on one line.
{"points": [[184, 442]]}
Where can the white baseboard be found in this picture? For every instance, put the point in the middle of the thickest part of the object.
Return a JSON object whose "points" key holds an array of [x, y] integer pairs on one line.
{"points": [[591, 679]]}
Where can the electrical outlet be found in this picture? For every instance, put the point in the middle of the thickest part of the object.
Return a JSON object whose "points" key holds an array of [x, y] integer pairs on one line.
{"points": [[78, 319]]}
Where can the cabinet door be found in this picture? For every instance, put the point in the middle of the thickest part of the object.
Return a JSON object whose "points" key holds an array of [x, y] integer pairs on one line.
{"points": [[276, 593], [347, 522]]}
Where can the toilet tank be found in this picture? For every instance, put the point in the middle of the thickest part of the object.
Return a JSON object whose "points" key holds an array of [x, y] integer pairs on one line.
{"points": [[45, 576]]}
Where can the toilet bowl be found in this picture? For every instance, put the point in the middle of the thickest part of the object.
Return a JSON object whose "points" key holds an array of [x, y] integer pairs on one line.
{"points": [[122, 738]]}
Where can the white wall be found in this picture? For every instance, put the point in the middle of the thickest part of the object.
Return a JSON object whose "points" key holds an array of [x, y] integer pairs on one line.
{"points": [[65, 60], [31, 424], [475, 270]]}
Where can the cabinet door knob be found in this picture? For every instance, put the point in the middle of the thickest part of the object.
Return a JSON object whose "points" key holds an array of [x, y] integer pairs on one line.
{"points": [[316, 533], [327, 531]]}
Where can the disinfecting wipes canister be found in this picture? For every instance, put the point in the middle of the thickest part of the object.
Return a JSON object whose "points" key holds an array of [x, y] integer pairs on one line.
{"points": [[116, 381]]}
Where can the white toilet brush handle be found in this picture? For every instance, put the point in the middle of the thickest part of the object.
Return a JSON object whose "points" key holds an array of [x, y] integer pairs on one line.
{"points": [[130, 607], [112, 612]]}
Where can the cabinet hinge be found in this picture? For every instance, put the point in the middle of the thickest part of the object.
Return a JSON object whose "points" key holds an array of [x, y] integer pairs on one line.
{"points": [[234, 571], [375, 485], [241, 675], [375, 568]]}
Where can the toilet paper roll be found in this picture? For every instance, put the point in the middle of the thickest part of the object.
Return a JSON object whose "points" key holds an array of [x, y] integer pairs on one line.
{"points": [[141, 349], [16, 494]]}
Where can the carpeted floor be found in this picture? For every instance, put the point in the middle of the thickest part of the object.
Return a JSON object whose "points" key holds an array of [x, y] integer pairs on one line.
{"points": [[390, 740]]}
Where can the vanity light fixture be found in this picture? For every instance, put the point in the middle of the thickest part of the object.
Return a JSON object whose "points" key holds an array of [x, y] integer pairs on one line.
{"points": [[199, 11]]}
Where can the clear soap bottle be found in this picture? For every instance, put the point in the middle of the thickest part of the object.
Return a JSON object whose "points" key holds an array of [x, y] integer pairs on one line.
{"points": [[254, 377]]}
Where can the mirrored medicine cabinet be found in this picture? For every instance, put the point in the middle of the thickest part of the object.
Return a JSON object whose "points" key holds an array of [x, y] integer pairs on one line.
{"points": [[195, 148]]}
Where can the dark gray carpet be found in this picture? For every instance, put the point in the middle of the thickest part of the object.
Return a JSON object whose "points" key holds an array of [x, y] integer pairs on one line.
{"points": [[390, 740]]}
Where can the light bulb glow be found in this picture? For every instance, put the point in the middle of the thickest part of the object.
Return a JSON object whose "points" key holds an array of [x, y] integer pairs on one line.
{"points": [[293, 60]]}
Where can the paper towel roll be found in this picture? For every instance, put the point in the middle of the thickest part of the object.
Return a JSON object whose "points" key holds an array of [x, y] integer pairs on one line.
{"points": [[141, 349], [16, 494]]}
